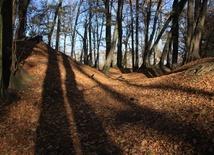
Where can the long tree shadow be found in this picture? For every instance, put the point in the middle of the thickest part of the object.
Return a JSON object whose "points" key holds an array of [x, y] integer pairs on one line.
{"points": [[53, 131], [93, 137], [189, 133], [173, 87]]}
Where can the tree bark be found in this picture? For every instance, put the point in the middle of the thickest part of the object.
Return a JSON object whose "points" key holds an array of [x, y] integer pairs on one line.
{"points": [[85, 46], [136, 66], [6, 46], [54, 23], [109, 59], [179, 7], [98, 38], [132, 35], [146, 61], [195, 51], [165, 52], [73, 33], [175, 34], [89, 33], [108, 26], [22, 8], [120, 33], [190, 21], [58, 26]]}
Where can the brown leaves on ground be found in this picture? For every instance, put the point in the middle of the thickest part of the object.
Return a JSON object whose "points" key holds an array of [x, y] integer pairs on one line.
{"points": [[74, 109]]}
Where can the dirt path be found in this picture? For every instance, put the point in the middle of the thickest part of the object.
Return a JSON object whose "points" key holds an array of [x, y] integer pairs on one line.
{"points": [[74, 109]]}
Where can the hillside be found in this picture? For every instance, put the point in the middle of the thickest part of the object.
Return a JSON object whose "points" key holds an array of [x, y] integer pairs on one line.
{"points": [[72, 108]]}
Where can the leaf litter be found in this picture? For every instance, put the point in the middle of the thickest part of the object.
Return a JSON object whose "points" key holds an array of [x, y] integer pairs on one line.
{"points": [[72, 108]]}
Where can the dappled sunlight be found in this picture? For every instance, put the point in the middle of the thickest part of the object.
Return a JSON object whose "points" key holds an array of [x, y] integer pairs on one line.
{"points": [[53, 131], [166, 112], [75, 109], [73, 129]]}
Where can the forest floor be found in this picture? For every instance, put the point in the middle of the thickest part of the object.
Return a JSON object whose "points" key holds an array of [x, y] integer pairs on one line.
{"points": [[72, 108]]}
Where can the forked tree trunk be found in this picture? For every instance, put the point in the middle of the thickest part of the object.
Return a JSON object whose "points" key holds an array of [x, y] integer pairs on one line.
{"points": [[109, 59], [195, 51], [194, 29], [179, 9], [54, 23]]}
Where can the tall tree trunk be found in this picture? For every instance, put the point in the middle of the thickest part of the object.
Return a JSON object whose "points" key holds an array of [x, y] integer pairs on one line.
{"points": [[85, 46], [109, 59], [195, 51], [136, 66], [126, 42], [58, 26], [89, 33], [175, 34], [148, 41], [120, 33], [195, 28], [99, 37], [166, 50], [146, 61], [132, 35], [73, 33], [95, 46], [108, 26], [22, 11], [154, 30], [180, 7], [190, 21], [54, 23], [6, 34]]}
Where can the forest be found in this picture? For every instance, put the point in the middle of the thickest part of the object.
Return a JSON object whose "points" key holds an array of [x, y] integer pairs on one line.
{"points": [[117, 77]]}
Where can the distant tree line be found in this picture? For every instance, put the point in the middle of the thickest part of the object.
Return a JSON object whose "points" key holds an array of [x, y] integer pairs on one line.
{"points": [[155, 33]]}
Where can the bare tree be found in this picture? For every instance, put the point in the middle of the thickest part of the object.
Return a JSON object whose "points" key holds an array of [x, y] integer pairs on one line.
{"points": [[109, 59], [90, 32], [99, 32], [5, 46], [22, 22], [175, 34], [179, 8], [120, 33], [73, 33], [54, 22], [58, 25], [148, 40], [136, 66], [132, 34], [108, 26], [195, 20]]}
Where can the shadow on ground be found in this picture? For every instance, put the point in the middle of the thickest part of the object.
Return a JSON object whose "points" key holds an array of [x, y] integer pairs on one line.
{"points": [[192, 135], [54, 134], [93, 138], [54, 129]]}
